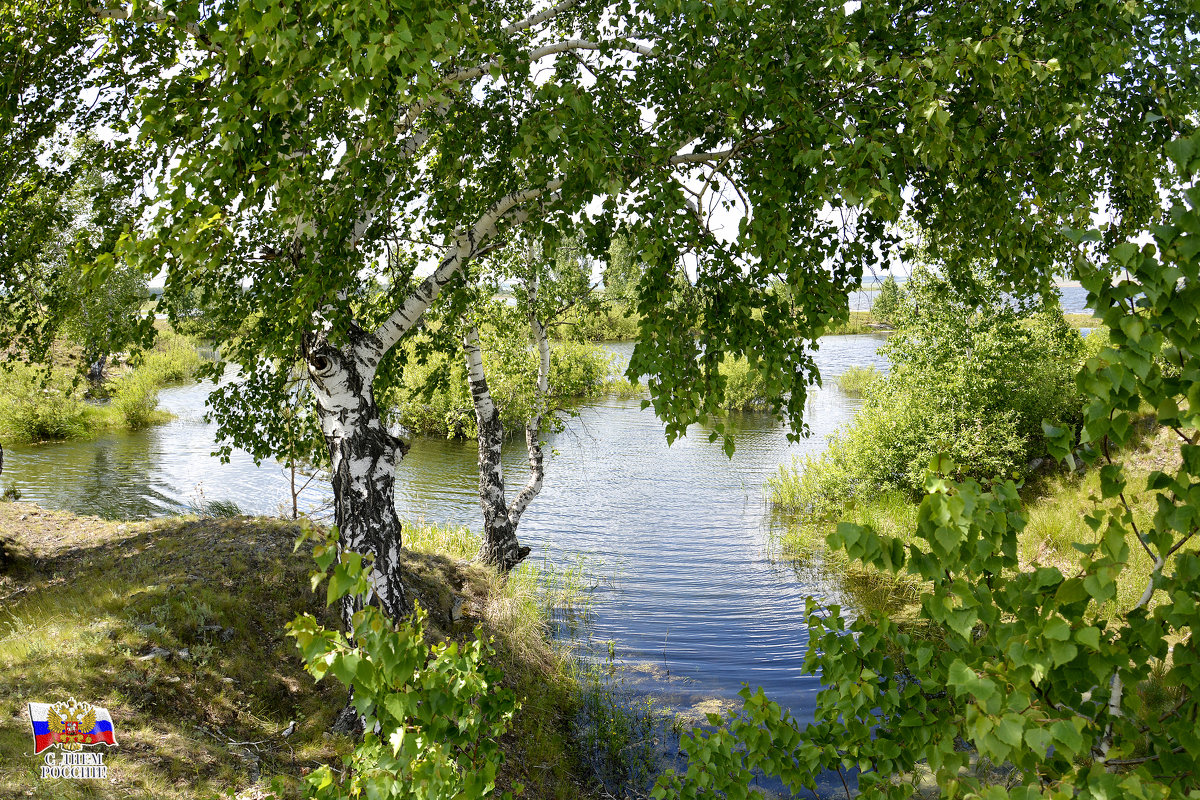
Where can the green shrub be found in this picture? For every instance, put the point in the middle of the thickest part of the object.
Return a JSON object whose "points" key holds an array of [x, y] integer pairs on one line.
{"points": [[36, 407], [433, 715], [857, 381], [857, 322], [577, 369], [888, 302], [135, 398], [623, 388], [973, 380], [610, 321], [745, 389], [174, 359]]}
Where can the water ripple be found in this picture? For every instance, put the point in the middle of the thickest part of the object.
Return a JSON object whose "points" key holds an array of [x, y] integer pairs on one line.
{"points": [[675, 534]]}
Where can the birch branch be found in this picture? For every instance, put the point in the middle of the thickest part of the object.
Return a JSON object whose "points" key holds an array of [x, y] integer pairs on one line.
{"points": [[414, 112], [541, 16], [464, 246], [155, 15]]}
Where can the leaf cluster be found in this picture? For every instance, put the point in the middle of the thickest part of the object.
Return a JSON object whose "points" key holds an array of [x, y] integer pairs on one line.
{"points": [[432, 714], [1013, 664]]}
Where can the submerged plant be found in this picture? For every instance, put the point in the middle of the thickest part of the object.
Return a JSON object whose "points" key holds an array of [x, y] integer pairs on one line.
{"points": [[617, 730]]}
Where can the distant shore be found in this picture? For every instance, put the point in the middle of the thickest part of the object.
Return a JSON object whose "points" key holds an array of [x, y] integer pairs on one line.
{"points": [[903, 278]]}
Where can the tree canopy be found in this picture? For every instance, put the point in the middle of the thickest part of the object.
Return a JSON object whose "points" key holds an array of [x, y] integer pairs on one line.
{"points": [[288, 159], [1043, 670]]}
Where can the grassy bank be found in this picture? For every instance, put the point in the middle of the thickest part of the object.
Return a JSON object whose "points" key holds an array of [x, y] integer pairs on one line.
{"points": [[612, 321], [176, 626], [1082, 320], [859, 322], [1057, 503], [56, 403]]}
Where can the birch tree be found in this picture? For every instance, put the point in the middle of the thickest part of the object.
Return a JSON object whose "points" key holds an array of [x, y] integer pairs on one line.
{"points": [[284, 158], [549, 282]]}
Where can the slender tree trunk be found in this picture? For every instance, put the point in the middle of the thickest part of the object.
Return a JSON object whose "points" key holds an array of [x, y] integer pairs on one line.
{"points": [[533, 427], [500, 546], [96, 369], [363, 459], [295, 504]]}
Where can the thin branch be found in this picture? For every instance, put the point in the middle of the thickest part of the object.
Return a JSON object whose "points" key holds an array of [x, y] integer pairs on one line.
{"points": [[1130, 762], [541, 16], [1181, 542], [154, 15], [702, 158]]}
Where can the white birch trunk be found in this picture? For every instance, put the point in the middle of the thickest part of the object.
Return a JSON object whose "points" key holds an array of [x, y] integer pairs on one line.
{"points": [[363, 459], [533, 428], [500, 546]]}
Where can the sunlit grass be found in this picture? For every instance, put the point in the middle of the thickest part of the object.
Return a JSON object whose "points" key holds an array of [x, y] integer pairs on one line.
{"points": [[1082, 320], [37, 406], [523, 607], [177, 627], [856, 381], [1060, 504], [858, 322], [1056, 507], [623, 388]]}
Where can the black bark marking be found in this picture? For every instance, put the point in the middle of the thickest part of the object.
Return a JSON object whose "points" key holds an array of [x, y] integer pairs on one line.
{"points": [[364, 504], [499, 547]]}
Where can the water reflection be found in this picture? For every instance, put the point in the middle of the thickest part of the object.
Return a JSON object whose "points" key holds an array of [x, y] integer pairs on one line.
{"points": [[674, 535], [95, 477]]}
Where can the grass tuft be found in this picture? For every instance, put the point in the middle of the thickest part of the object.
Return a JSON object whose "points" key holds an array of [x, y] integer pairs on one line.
{"points": [[857, 381], [176, 626]]}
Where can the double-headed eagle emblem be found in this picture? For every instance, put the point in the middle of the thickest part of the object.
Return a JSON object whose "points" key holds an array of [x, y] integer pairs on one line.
{"points": [[73, 722]]}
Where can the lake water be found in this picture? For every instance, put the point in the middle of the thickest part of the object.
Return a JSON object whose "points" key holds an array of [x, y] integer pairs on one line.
{"points": [[675, 537], [1073, 299]]}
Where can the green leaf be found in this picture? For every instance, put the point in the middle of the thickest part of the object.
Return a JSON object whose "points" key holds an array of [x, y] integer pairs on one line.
{"points": [[342, 579], [1181, 150]]}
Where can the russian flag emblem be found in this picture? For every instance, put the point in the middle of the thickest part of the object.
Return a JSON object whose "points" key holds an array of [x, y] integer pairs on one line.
{"points": [[71, 725]]}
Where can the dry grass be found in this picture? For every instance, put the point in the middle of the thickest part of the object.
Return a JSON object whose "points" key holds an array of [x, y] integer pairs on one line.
{"points": [[176, 627], [84, 603]]}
